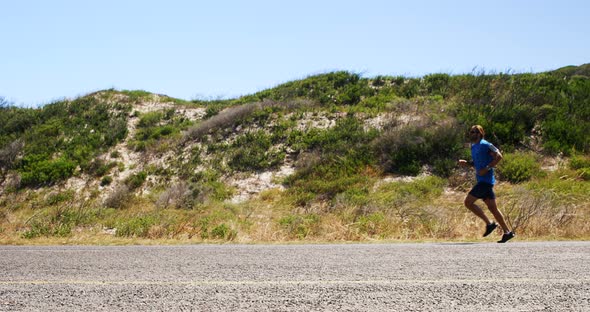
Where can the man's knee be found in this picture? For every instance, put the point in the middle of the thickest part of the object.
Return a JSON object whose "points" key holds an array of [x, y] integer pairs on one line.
{"points": [[469, 200]]}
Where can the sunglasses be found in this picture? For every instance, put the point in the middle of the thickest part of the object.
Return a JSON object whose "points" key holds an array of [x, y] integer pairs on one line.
{"points": [[473, 131]]}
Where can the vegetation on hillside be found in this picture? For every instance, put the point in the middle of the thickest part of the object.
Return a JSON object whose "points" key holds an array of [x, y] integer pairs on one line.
{"points": [[344, 134]]}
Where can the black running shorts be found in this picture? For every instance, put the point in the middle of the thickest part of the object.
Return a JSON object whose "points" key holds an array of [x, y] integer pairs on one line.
{"points": [[483, 190]]}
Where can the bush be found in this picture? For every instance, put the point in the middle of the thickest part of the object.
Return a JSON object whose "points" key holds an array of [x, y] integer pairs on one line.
{"points": [[59, 197], [338, 156], [150, 119], [47, 172], [581, 163], [584, 173], [406, 149], [136, 180], [57, 221], [9, 153], [61, 136], [519, 167], [107, 180], [300, 226], [223, 231], [372, 224], [136, 227], [437, 84], [178, 196], [254, 153], [341, 88], [118, 198]]}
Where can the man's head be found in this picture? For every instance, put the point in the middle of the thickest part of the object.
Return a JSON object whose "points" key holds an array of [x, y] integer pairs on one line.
{"points": [[476, 133]]}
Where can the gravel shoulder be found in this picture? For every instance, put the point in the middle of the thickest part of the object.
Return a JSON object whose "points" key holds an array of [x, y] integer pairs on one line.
{"points": [[517, 276]]}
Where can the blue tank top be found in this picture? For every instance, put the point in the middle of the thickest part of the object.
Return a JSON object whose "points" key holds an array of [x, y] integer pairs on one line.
{"points": [[480, 153]]}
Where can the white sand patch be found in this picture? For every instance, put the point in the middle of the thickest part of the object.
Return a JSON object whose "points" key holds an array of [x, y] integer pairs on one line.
{"points": [[254, 184]]}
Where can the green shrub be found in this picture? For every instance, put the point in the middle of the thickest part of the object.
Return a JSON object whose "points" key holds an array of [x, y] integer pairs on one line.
{"points": [[57, 221], [519, 167], [136, 180], [62, 136], [566, 128], [107, 180], [300, 226], [372, 224], [401, 193], [376, 103], [98, 167], [437, 84], [584, 173], [59, 197], [47, 172], [136, 227], [38, 229], [579, 162], [206, 186], [223, 231], [136, 95], [405, 150], [253, 152], [338, 156]]}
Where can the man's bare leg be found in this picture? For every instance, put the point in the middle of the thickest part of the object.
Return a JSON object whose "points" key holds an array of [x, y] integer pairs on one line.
{"points": [[491, 203], [470, 204]]}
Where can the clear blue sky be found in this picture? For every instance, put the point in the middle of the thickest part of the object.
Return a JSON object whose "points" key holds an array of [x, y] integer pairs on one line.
{"points": [[208, 49]]}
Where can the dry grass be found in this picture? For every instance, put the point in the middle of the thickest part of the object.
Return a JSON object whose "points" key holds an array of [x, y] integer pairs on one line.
{"points": [[391, 212], [232, 115]]}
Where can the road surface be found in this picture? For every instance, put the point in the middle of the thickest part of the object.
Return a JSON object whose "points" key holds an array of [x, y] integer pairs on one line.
{"points": [[515, 276]]}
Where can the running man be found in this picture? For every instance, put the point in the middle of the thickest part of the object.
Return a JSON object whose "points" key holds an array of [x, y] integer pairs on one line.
{"points": [[485, 157]]}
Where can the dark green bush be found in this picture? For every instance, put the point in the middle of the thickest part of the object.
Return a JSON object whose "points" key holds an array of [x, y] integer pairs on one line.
{"points": [[510, 106], [253, 152], [340, 88], [405, 150], [136, 180], [47, 172], [107, 180], [341, 154], [519, 167], [62, 136], [150, 119], [437, 84]]}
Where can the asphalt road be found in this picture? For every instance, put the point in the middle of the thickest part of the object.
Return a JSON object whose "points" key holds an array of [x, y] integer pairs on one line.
{"points": [[359, 277]]}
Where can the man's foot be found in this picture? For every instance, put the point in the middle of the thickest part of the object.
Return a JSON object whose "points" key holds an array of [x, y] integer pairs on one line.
{"points": [[506, 237], [490, 228]]}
